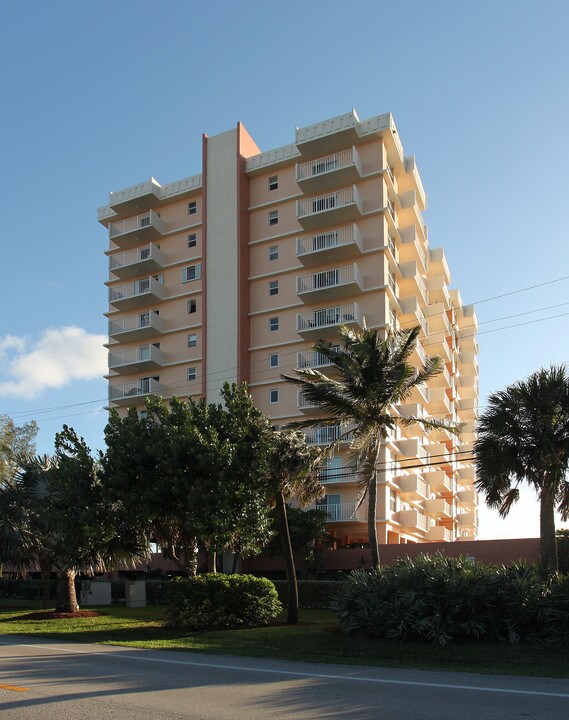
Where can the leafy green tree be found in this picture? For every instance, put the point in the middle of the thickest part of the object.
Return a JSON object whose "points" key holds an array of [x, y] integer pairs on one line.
{"points": [[15, 441], [193, 472], [523, 437], [372, 374], [57, 513], [308, 538], [294, 474]]}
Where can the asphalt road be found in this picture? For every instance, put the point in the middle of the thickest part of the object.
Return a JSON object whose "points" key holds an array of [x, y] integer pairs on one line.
{"points": [[43, 679]]}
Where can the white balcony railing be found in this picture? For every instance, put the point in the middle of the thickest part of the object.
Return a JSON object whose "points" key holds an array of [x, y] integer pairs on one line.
{"points": [[133, 257], [339, 237], [132, 390], [312, 359], [325, 435], [303, 403], [139, 222], [142, 321], [143, 354], [320, 166], [338, 511], [144, 286], [330, 201], [328, 317], [338, 475], [327, 279]]}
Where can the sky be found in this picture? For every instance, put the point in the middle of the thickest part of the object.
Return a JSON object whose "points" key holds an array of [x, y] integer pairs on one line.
{"points": [[102, 95]]}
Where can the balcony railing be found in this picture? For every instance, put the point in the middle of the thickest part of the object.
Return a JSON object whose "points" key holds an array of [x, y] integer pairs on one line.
{"points": [[328, 279], [338, 242], [412, 519], [329, 163], [312, 322], [338, 202], [338, 511], [144, 355], [328, 434], [312, 359], [150, 222], [132, 291], [144, 324], [303, 403], [337, 475], [132, 390], [412, 485], [137, 261]]}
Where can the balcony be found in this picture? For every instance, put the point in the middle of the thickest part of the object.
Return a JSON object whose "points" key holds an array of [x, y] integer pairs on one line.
{"points": [[438, 533], [411, 311], [412, 487], [439, 508], [438, 291], [327, 434], [467, 340], [468, 408], [340, 206], [411, 167], [130, 393], [411, 213], [412, 449], [338, 512], [468, 520], [412, 247], [140, 261], [412, 282], [439, 482], [329, 246], [412, 520], [136, 327], [138, 359], [329, 284], [136, 294], [312, 359], [325, 172], [439, 403], [315, 324], [138, 197], [467, 497], [137, 230], [466, 474], [304, 404], [468, 387], [338, 475]]}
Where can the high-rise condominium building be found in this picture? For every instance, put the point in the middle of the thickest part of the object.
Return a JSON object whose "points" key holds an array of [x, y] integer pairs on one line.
{"points": [[233, 273]]}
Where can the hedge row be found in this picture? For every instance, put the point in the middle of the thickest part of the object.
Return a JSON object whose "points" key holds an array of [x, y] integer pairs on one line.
{"points": [[441, 600]]}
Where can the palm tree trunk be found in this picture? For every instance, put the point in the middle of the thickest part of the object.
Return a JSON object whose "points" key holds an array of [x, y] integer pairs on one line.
{"points": [[548, 543], [45, 568], [372, 512], [66, 598], [292, 616]]}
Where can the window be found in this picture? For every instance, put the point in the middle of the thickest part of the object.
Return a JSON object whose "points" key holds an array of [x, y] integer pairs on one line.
{"points": [[273, 396], [192, 240], [192, 374], [273, 217], [192, 340], [274, 360], [143, 414], [274, 287], [192, 208], [273, 324], [193, 272], [192, 306], [274, 252], [392, 501], [273, 182]]}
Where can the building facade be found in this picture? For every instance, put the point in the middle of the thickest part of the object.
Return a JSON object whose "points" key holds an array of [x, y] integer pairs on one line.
{"points": [[232, 274]]}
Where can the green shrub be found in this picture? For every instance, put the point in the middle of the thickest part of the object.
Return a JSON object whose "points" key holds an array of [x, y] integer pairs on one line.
{"points": [[220, 601], [440, 599], [312, 594]]}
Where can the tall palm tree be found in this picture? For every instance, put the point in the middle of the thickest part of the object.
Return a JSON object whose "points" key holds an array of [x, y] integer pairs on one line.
{"points": [[373, 373], [523, 436], [294, 474]]}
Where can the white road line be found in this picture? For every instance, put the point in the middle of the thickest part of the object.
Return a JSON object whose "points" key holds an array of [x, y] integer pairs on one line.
{"points": [[294, 673]]}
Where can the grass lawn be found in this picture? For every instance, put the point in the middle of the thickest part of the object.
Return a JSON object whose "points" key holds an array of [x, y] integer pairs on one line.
{"points": [[317, 639]]}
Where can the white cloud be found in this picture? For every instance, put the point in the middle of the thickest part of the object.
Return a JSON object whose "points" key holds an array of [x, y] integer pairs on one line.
{"points": [[59, 357]]}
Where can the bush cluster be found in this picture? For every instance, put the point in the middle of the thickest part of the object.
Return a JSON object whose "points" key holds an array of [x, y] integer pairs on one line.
{"points": [[439, 599], [220, 601]]}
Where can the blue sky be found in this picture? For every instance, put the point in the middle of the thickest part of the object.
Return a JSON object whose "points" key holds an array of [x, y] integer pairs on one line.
{"points": [[99, 96]]}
